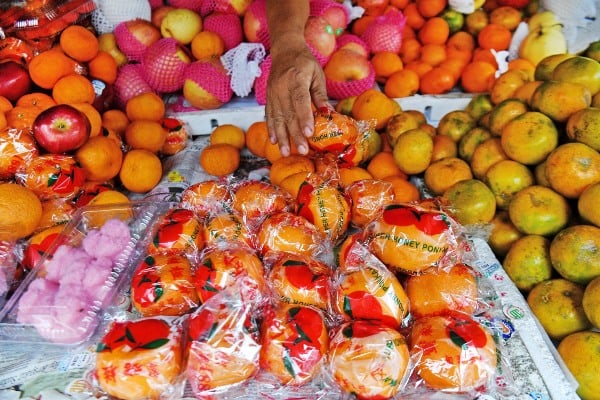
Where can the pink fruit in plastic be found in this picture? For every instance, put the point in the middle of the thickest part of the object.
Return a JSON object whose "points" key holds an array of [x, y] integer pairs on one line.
{"points": [[228, 26], [384, 33], [206, 84]]}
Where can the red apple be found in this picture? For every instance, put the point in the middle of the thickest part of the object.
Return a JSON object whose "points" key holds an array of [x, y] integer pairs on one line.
{"points": [[15, 80], [159, 13], [61, 128], [513, 3], [337, 17], [347, 65], [143, 31], [254, 24], [320, 36]]}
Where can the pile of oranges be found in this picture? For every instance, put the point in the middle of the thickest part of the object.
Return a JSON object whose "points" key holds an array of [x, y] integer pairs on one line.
{"points": [[443, 49]]}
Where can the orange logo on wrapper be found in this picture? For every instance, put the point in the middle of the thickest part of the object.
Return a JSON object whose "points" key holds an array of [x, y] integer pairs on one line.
{"points": [[410, 239]]}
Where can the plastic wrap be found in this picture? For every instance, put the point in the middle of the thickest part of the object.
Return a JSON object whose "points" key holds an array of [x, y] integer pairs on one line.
{"points": [[141, 359], [64, 299], [41, 25], [179, 231], [52, 175]]}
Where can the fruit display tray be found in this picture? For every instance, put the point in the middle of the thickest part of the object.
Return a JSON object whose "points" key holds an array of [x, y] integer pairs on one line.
{"points": [[243, 111], [45, 327]]}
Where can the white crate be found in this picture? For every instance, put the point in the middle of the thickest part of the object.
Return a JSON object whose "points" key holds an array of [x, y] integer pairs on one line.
{"points": [[244, 111]]}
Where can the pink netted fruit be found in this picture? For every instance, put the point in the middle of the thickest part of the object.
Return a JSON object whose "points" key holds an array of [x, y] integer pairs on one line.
{"points": [[206, 84], [384, 33], [193, 5], [260, 83], [133, 37], [343, 89], [353, 42], [228, 26], [163, 65], [237, 7], [335, 13], [254, 24], [130, 82]]}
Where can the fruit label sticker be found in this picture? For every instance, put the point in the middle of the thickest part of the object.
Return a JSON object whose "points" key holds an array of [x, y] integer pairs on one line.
{"points": [[513, 312]]}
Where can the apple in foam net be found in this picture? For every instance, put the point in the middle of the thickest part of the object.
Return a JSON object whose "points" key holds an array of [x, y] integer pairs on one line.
{"points": [[61, 128], [337, 18], [252, 26], [181, 24], [158, 14], [143, 31], [347, 65], [320, 36], [15, 80]]}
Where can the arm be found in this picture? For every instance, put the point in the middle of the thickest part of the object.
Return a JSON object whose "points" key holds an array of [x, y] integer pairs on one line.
{"points": [[296, 78]]}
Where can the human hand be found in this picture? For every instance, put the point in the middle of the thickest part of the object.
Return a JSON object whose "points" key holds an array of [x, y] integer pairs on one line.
{"points": [[296, 79]]}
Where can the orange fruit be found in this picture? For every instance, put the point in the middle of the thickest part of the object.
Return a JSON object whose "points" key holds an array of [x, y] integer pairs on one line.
{"points": [[368, 197], [93, 115], [414, 19], [525, 91], [385, 63], [327, 207], [22, 117], [148, 106], [442, 291], [435, 30], [476, 21], [454, 65], [410, 50], [443, 173], [578, 351], [506, 84], [539, 210], [36, 99], [119, 210], [545, 67], [47, 67], [79, 43], [73, 88], [470, 140], [404, 121], [292, 183], [430, 8], [373, 104], [471, 201], [413, 151], [591, 302], [527, 262], [3, 121], [507, 177], [455, 124], [503, 234], [55, 212], [220, 159], [20, 212], [360, 24], [402, 83], [571, 168], [479, 105], [437, 80], [504, 112], [103, 67], [433, 54], [507, 16], [450, 358], [115, 120], [404, 190], [419, 67], [271, 151], [540, 174], [349, 175], [547, 297], [523, 65], [207, 44], [443, 147], [574, 255], [582, 126], [289, 165], [5, 104], [559, 100], [477, 77], [100, 157], [579, 69], [141, 170], [540, 140], [494, 36], [228, 133], [587, 204], [257, 135], [145, 134]]}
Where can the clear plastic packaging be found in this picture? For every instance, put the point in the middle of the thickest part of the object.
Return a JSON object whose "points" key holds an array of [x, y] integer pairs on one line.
{"points": [[67, 295]]}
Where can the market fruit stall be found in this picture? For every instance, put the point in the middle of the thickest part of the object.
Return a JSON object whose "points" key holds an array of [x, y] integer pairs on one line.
{"points": [[155, 244]]}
